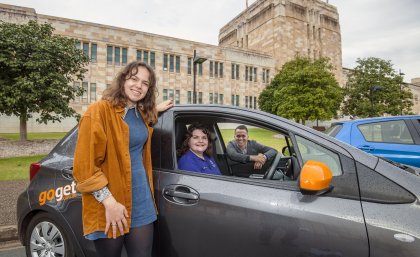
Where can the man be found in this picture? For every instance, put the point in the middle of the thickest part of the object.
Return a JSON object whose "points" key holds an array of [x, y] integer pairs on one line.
{"points": [[243, 150]]}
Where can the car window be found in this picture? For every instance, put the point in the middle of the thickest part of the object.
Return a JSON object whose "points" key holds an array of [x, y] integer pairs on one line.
{"points": [[312, 151], [333, 130], [395, 131], [261, 135]]}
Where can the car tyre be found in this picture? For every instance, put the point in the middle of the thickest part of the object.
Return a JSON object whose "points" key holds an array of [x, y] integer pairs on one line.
{"points": [[45, 237]]}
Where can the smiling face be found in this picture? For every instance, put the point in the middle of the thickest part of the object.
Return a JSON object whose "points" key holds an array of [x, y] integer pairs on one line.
{"points": [[241, 137], [136, 86], [198, 142]]}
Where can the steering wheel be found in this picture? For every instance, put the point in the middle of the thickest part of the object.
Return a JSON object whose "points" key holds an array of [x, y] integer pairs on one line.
{"points": [[270, 172]]}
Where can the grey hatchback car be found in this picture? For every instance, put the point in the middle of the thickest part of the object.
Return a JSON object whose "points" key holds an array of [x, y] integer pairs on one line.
{"points": [[320, 197]]}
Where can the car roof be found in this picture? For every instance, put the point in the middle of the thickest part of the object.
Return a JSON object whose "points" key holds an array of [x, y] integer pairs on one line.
{"points": [[377, 119]]}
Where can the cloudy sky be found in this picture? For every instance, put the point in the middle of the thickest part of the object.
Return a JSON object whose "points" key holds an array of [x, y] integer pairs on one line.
{"points": [[387, 29]]}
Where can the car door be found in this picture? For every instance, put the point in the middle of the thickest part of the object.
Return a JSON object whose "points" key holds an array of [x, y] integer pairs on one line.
{"points": [[210, 215], [396, 140]]}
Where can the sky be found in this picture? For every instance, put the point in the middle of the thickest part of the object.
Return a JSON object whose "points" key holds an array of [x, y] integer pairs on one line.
{"points": [[387, 29]]}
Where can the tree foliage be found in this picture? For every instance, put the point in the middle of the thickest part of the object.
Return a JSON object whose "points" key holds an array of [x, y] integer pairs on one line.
{"points": [[36, 69], [304, 89], [374, 88]]}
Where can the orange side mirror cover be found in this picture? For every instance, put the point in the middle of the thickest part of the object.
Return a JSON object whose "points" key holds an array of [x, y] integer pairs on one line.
{"points": [[315, 176]]}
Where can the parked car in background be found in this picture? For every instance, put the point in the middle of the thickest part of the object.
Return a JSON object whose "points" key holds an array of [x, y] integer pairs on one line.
{"points": [[321, 197], [394, 138]]}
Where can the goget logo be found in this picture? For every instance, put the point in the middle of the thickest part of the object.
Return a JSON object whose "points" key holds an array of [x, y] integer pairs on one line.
{"points": [[60, 193]]}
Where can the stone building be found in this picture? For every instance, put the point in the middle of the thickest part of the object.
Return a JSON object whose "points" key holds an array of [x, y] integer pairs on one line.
{"points": [[415, 89], [252, 48]]}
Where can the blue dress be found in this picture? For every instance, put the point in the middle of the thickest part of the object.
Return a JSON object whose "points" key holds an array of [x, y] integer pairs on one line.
{"points": [[143, 210], [191, 162]]}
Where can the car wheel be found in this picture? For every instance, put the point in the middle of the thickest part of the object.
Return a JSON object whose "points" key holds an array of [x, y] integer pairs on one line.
{"points": [[45, 237]]}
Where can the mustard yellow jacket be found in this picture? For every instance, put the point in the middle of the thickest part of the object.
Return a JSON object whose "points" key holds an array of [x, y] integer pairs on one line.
{"points": [[102, 158]]}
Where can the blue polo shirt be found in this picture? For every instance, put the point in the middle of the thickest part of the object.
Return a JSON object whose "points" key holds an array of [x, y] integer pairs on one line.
{"points": [[191, 162]]}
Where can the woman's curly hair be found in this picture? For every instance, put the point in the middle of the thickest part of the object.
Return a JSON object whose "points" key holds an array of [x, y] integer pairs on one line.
{"points": [[116, 95], [194, 126]]}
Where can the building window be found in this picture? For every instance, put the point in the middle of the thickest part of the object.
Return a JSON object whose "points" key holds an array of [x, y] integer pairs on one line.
{"points": [[85, 86], [232, 102], [246, 101], [250, 102], [177, 97], [200, 97], [93, 53], [233, 71], [263, 75], [246, 73], [171, 63], [267, 76], [86, 49], [165, 94], [211, 69], [146, 55], [210, 98], [216, 98], [152, 59], [171, 94], [178, 64], [124, 56], [117, 56], [255, 74], [92, 92], [255, 102], [221, 70], [109, 53], [200, 69], [216, 69], [237, 100], [220, 98], [237, 71], [189, 65], [189, 97], [165, 62], [250, 73]]}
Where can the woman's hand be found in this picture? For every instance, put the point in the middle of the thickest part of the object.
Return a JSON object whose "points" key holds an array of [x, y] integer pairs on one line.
{"points": [[115, 214], [165, 105]]}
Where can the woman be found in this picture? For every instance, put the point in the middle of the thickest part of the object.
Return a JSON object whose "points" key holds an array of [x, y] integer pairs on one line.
{"points": [[196, 151], [113, 167]]}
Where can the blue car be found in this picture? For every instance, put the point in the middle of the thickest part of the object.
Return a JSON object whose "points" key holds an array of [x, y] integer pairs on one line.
{"points": [[394, 138]]}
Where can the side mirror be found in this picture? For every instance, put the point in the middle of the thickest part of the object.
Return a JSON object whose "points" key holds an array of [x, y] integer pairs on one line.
{"points": [[315, 178]]}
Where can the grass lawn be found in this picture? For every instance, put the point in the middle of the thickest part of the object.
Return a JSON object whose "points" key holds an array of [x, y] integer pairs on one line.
{"points": [[17, 167], [31, 136], [262, 136]]}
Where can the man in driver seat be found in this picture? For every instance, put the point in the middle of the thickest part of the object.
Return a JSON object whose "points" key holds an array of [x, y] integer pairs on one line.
{"points": [[244, 150]]}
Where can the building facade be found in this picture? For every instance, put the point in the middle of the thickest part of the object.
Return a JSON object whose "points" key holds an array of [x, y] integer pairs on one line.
{"points": [[415, 89], [252, 48]]}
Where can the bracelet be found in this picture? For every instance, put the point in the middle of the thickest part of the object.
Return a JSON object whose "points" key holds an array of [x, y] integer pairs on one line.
{"points": [[101, 194]]}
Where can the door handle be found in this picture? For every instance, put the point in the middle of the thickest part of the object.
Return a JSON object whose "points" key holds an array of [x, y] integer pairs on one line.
{"points": [[179, 194], [366, 148]]}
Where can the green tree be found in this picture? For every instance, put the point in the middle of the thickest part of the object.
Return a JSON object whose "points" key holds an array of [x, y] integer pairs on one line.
{"points": [[374, 88], [304, 89], [36, 71]]}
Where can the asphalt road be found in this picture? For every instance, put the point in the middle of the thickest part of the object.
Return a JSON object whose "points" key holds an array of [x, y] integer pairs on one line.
{"points": [[12, 249]]}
